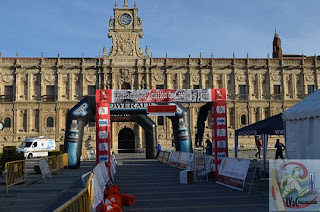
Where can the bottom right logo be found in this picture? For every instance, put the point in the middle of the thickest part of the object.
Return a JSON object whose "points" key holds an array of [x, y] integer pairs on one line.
{"points": [[294, 185]]}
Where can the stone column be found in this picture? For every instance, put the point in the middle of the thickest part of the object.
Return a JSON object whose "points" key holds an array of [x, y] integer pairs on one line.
{"points": [[259, 86], [249, 84], [293, 86], [59, 84], [30, 86]]}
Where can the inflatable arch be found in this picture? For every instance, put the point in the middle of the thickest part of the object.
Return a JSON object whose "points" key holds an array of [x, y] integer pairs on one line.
{"points": [[98, 109], [85, 111]]}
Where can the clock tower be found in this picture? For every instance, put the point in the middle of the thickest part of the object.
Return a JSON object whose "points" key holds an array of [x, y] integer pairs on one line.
{"points": [[125, 31]]}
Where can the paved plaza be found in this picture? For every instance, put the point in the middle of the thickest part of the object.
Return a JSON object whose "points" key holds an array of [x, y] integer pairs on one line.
{"points": [[156, 187]]}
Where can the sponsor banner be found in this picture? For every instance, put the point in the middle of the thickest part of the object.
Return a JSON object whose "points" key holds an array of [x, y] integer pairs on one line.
{"points": [[294, 185], [233, 172], [129, 106], [162, 109], [103, 134], [219, 129], [161, 95], [162, 114]]}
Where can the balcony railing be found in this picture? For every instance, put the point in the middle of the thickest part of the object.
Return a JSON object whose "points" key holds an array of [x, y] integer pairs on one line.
{"points": [[48, 98], [277, 96], [6, 98], [242, 97]]}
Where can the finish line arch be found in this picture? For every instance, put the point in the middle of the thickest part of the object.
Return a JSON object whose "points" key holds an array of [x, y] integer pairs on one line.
{"points": [[103, 98]]}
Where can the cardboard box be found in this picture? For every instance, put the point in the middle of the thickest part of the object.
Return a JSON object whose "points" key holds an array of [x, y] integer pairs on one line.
{"points": [[186, 177]]}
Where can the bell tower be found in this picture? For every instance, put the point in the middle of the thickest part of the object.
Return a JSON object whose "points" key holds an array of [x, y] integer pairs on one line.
{"points": [[125, 31]]}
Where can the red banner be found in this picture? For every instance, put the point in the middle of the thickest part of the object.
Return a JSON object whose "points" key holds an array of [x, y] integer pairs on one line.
{"points": [[103, 132], [219, 128]]}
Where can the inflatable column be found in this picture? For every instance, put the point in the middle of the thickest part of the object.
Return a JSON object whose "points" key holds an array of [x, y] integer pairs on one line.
{"points": [[219, 128], [103, 128]]}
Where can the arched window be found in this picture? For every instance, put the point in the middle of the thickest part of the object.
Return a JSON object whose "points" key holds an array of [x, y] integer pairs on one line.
{"points": [[160, 120], [125, 86], [49, 122], [7, 122], [243, 120]]}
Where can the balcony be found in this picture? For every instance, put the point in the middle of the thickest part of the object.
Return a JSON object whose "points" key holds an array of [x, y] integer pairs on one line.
{"points": [[277, 96], [6, 98], [48, 98], [242, 97]]}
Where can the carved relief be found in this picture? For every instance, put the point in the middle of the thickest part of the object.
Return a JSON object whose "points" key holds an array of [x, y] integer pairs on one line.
{"points": [[159, 77], [241, 77], [310, 76], [275, 76], [49, 78], [143, 84], [7, 78], [125, 44], [173, 78], [35, 79], [195, 78], [125, 75], [65, 80], [90, 78]]}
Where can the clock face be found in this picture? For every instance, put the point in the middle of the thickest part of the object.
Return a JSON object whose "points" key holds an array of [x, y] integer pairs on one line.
{"points": [[125, 19]]}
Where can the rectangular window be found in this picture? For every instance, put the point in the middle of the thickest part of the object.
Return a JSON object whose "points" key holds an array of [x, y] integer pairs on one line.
{"points": [[159, 87], [160, 120], [8, 93], [196, 87], [242, 89], [91, 90], [50, 93], [276, 89], [310, 89]]}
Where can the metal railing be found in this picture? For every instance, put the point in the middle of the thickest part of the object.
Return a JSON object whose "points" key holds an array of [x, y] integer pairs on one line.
{"points": [[48, 98], [15, 173], [6, 98], [81, 201]]}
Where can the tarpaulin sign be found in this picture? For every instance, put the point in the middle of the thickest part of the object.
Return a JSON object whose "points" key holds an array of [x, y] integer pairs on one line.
{"points": [[233, 172]]}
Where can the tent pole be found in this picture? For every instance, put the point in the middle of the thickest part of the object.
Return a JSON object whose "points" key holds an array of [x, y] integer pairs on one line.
{"points": [[236, 146], [265, 146]]}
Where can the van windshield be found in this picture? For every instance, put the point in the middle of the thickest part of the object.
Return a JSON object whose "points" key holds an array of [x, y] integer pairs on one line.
{"points": [[25, 144]]}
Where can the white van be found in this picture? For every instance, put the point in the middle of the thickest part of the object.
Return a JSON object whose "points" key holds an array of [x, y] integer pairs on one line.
{"points": [[36, 147]]}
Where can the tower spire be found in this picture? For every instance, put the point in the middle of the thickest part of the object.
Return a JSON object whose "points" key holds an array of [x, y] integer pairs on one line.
{"points": [[277, 51], [125, 4]]}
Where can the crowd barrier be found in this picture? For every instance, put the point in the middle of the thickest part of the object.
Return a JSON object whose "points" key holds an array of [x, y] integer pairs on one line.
{"points": [[185, 160], [57, 162], [81, 201], [91, 198], [15, 173]]}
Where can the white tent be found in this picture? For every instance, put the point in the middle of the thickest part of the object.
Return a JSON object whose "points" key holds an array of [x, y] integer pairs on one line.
{"points": [[302, 128]]}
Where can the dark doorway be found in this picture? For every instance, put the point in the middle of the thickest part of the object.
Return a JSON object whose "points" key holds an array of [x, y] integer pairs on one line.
{"points": [[126, 142]]}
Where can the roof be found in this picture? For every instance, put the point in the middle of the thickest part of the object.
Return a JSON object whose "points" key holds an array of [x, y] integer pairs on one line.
{"points": [[309, 107], [270, 126]]}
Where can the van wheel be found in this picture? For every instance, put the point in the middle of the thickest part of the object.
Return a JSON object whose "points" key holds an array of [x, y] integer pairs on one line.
{"points": [[30, 156]]}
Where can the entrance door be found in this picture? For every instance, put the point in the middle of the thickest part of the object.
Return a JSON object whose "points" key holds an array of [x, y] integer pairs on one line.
{"points": [[126, 142]]}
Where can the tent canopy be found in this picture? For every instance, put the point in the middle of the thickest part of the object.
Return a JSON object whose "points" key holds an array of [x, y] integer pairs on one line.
{"points": [[308, 108], [270, 126]]}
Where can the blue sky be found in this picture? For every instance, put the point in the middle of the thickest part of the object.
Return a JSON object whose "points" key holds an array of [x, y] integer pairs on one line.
{"points": [[178, 27]]}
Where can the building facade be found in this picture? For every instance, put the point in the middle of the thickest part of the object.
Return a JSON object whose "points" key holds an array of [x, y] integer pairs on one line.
{"points": [[36, 93]]}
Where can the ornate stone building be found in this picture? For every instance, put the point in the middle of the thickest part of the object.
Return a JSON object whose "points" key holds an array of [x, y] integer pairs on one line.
{"points": [[35, 93]]}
